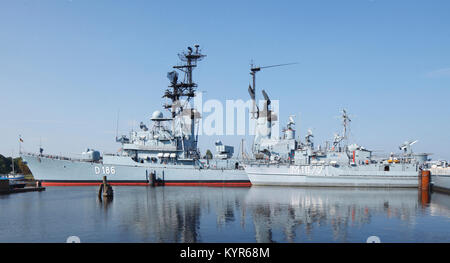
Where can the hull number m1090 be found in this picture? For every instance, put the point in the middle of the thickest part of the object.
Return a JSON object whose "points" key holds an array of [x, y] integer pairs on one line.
{"points": [[104, 170]]}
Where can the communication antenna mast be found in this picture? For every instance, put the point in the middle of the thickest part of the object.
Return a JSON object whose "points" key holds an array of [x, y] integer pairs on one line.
{"points": [[185, 88], [252, 88], [345, 122], [12, 162]]}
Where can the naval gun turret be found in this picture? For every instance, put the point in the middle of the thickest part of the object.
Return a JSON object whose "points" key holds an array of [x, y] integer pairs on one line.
{"points": [[406, 147], [420, 158]]}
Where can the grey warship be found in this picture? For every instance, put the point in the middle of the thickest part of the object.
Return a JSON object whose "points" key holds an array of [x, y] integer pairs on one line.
{"points": [[165, 153], [440, 175], [289, 161]]}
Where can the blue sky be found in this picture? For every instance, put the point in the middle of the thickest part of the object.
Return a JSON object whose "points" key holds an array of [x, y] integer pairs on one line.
{"points": [[66, 67]]}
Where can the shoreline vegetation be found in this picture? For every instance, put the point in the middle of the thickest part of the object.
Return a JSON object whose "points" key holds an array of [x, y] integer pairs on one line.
{"points": [[19, 167]]}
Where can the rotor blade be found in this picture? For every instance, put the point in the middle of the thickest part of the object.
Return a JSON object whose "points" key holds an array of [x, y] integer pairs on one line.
{"points": [[279, 65]]}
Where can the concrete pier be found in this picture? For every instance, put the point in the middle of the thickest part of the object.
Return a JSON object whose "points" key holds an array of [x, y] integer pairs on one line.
{"points": [[5, 188]]}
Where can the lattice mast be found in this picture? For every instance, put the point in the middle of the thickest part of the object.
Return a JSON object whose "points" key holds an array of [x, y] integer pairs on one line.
{"points": [[180, 93]]}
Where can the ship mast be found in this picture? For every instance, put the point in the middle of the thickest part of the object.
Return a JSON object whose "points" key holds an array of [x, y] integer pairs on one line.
{"points": [[252, 89], [12, 164], [187, 87], [345, 122], [184, 89], [263, 118]]}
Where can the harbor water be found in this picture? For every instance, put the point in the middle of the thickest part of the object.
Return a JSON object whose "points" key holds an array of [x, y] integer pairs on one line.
{"points": [[214, 214]]}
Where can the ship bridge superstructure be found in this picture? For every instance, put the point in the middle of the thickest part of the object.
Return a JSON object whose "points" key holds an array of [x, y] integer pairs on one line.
{"points": [[173, 138]]}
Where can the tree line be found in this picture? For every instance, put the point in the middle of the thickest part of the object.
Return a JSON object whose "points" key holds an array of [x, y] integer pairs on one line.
{"points": [[19, 166]]}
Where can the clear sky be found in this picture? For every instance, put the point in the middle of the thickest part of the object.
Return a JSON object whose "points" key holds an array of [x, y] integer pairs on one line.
{"points": [[68, 66]]}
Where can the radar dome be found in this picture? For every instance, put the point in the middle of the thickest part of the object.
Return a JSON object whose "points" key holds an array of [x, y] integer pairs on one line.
{"points": [[157, 115]]}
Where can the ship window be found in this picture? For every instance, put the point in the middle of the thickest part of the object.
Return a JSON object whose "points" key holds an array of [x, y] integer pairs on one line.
{"points": [[386, 168]]}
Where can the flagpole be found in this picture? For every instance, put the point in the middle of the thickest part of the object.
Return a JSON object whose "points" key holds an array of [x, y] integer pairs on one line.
{"points": [[20, 144]]}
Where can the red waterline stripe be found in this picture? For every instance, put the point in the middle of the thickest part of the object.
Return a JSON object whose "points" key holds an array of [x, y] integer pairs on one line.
{"points": [[246, 184], [89, 184]]}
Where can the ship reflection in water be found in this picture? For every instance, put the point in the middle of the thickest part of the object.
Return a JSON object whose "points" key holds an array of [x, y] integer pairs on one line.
{"points": [[203, 214]]}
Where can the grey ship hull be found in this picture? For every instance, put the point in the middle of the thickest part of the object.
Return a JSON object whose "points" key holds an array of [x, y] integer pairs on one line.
{"points": [[440, 178], [329, 176], [66, 172]]}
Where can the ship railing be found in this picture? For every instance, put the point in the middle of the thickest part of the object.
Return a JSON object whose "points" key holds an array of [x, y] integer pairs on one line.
{"points": [[59, 157]]}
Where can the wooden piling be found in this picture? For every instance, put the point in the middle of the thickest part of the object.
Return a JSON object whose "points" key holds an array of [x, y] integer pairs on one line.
{"points": [[153, 178], [105, 189]]}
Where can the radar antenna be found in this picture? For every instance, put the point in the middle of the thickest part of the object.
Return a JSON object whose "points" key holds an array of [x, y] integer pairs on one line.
{"points": [[187, 87], [180, 92]]}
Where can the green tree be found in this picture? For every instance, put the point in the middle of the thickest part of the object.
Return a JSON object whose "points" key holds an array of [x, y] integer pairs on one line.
{"points": [[23, 168], [5, 165], [19, 166], [208, 155]]}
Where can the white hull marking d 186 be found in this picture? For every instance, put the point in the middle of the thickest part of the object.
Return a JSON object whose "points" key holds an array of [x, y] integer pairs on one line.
{"points": [[104, 170]]}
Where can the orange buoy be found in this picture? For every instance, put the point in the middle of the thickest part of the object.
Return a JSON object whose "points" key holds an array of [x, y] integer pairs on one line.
{"points": [[425, 180]]}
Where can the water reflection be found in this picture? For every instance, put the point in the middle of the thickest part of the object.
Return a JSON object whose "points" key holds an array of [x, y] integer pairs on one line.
{"points": [[203, 214], [173, 214], [104, 202], [272, 214], [440, 205], [307, 209]]}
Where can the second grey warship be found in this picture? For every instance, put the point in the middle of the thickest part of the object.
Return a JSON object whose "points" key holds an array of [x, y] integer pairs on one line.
{"points": [[165, 153], [289, 161], [440, 175]]}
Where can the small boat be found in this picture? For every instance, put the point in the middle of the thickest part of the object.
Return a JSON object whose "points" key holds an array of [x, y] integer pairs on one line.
{"points": [[15, 177], [16, 180]]}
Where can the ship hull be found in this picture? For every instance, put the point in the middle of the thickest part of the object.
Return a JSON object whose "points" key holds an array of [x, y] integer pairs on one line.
{"points": [[329, 176], [440, 179], [58, 172]]}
